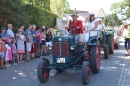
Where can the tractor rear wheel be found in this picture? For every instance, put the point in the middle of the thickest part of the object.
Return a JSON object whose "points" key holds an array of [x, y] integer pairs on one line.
{"points": [[110, 42], [42, 71], [95, 56], [106, 51], [85, 72]]}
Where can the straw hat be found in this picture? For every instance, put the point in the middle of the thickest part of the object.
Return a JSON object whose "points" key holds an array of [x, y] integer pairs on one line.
{"points": [[74, 14]]}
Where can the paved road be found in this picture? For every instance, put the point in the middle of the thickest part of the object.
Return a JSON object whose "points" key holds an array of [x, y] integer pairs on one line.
{"points": [[25, 74]]}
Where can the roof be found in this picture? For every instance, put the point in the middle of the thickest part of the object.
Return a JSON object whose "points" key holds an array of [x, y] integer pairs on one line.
{"points": [[84, 14], [97, 12]]}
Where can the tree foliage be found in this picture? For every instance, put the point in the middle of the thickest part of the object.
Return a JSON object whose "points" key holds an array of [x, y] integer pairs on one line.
{"points": [[112, 19], [37, 12], [122, 7]]}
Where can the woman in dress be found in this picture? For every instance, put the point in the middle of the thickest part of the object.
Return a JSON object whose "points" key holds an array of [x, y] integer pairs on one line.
{"points": [[93, 24], [20, 45]]}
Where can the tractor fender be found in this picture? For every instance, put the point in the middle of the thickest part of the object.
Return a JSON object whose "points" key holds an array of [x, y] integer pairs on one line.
{"points": [[45, 59]]}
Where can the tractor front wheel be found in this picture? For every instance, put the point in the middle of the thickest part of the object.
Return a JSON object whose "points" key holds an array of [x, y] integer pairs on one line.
{"points": [[85, 72], [42, 71], [106, 51]]}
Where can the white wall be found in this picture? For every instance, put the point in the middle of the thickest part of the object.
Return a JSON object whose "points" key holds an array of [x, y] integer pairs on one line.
{"points": [[61, 24]]}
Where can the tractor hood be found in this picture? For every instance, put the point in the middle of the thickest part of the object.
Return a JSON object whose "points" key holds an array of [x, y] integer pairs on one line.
{"points": [[66, 38]]}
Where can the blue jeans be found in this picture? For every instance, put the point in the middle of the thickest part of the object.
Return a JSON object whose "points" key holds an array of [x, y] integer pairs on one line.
{"points": [[127, 43], [103, 36]]}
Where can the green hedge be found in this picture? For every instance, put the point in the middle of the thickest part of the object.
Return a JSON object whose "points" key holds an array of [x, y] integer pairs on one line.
{"points": [[16, 12]]}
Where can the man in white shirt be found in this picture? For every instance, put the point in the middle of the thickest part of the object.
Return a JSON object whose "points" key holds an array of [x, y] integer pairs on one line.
{"points": [[102, 29], [9, 32]]}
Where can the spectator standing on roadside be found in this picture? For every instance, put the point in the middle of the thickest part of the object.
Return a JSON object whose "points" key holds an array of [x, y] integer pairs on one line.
{"points": [[126, 35], [22, 28], [2, 54], [34, 33], [3, 34], [48, 41], [29, 41], [38, 40], [14, 52], [42, 28], [43, 49], [9, 32], [20, 45], [8, 54]]}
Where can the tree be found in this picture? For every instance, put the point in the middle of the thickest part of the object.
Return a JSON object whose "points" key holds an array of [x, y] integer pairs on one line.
{"points": [[60, 7], [108, 21], [121, 7]]}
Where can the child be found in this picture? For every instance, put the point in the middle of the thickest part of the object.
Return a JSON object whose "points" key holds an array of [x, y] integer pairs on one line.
{"points": [[2, 49], [8, 54], [43, 42], [14, 51], [20, 46]]}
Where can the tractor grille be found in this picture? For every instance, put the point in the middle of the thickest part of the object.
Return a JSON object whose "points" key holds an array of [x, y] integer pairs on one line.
{"points": [[56, 49], [60, 49], [64, 49]]}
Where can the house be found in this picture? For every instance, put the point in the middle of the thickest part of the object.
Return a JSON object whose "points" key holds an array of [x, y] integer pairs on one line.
{"points": [[83, 16]]}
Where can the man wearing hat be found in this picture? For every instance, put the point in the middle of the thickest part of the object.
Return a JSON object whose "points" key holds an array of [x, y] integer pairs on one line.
{"points": [[77, 26], [126, 35]]}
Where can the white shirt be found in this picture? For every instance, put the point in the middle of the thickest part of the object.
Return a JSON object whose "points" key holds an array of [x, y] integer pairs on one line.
{"points": [[91, 25]]}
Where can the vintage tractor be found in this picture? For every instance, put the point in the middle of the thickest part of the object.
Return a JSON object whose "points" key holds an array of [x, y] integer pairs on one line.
{"points": [[108, 43], [68, 54]]}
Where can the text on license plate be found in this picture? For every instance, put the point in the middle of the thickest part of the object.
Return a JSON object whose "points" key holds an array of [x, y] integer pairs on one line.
{"points": [[60, 60]]}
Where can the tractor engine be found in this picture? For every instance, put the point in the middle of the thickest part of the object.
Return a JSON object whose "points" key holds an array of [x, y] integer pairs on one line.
{"points": [[62, 52]]}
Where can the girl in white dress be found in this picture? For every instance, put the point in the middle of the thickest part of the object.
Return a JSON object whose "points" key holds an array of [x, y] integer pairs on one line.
{"points": [[93, 24], [20, 45]]}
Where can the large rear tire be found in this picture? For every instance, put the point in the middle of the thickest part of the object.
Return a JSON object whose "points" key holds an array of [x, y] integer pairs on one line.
{"points": [[85, 72], [42, 71], [95, 56], [106, 51], [110, 42]]}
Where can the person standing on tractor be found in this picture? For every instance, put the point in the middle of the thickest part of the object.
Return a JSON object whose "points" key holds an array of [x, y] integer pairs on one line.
{"points": [[93, 24], [126, 35], [77, 27]]}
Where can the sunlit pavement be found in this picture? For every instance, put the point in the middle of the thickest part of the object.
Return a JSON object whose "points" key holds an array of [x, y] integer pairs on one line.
{"points": [[113, 72]]}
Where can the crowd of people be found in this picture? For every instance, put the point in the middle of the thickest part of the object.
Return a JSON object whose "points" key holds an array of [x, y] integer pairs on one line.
{"points": [[25, 42]]}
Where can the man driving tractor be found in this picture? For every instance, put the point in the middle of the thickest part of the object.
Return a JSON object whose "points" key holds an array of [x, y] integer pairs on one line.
{"points": [[77, 27]]}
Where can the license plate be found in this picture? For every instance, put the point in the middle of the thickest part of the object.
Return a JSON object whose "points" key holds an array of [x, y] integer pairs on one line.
{"points": [[60, 60]]}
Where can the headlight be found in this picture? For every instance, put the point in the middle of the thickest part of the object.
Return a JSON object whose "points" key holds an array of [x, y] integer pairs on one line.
{"points": [[50, 47], [72, 47]]}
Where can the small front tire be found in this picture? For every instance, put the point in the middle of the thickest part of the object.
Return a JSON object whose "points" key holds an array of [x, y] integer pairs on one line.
{"points": [[85, 72], [42, 71]]}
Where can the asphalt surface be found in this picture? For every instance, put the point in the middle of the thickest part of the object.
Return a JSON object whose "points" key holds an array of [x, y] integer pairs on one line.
{"points": [[25, 74]]}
